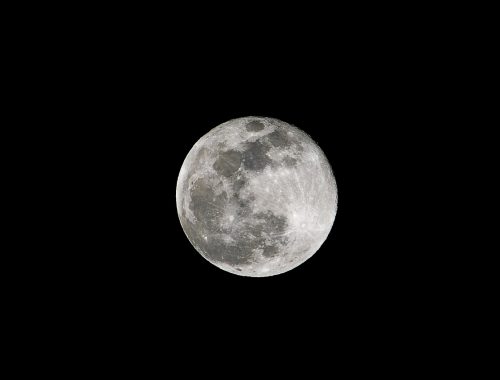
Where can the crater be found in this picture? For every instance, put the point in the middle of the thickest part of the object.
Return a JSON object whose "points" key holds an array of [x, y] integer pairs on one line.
{"points": [[227, 163], [254, 126]]}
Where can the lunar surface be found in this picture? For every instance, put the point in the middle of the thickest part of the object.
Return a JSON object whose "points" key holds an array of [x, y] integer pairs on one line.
{"points": [[256, 196]]}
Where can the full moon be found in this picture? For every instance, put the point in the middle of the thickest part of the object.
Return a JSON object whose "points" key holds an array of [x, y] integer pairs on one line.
{"points": [[256, 196]]}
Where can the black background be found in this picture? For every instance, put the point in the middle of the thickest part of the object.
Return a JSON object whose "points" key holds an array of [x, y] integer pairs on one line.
{"points": [[134, 102], [146, 123], [116, 98]]}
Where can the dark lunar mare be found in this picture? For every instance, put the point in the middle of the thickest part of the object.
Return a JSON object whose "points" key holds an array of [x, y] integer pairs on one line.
{"points": [[252, 236], [254, 126], [208, 207], [228, 163], [279, 138], [255, 155]]}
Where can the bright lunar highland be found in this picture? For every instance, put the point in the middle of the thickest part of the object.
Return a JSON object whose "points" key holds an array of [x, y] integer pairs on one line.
{"points": [[256, 196]]}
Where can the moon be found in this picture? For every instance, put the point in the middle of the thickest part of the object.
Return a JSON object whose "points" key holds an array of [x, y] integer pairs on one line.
{"points": [[256, 196]]}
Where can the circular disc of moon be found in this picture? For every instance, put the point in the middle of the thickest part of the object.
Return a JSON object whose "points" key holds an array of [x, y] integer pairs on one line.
{"points": [[256, 196]]}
